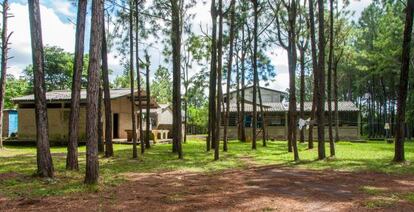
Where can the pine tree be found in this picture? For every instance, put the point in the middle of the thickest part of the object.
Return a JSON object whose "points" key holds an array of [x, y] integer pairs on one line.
{"points": [[5, 37], [44, 158], [399, 155], [92, 160]]}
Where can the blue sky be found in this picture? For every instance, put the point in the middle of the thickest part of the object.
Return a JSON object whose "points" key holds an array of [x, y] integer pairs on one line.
{"points": [[58, 29]]}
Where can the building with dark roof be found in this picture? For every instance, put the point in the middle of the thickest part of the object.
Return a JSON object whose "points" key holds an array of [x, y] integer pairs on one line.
{"points": [[58, 108], [276, 109]]}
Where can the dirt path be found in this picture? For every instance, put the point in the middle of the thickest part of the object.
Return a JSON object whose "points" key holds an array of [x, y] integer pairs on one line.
{"points": [[256, 189]]}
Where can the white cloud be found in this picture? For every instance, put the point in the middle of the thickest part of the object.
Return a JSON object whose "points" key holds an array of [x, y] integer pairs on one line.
{"points": [[59, 32], [54, 32], [279, 59], [63, 7], [359, 5]]}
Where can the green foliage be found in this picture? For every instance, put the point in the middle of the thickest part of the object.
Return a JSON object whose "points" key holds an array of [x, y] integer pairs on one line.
{"points": [[371, 190], [15, 88], [379, 203], [198, 117], [58, 68], [195, 95], [369, 70], [410, 197], [122, 81], [161, 86]]}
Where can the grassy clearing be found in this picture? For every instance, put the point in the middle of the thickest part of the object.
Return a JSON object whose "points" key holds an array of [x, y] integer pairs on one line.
{"points": [[382, 197], [372, 190], [379, 203], [19, 163], [410, 197]]}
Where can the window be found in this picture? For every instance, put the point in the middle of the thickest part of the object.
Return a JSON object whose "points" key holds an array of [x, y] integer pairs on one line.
{"points": [[247, 121], [276, 120], [232, 122]]}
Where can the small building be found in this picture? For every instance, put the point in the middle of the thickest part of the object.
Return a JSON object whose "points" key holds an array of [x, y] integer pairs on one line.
{"points": [[165, 119], [58, 107], [10, 121], [276, 115]]}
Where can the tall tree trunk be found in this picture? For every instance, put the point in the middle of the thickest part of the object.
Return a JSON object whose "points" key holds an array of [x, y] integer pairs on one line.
{"points": [[399, 155], [315, 70], [369, 116], [321, 82], [176, 46], [330, 66], [44, 158], [72, 155], [239, 118], [186, 101], [292, 76], [187, 64], [132, 78], [384, 108], [243, 92], [213, 80], [302, 92], [373, 108], [92, 162], [4, 57], [100, 124], [219, 79], [229, 69], [262, 114], [335, 79], [255, 75], [109, 150], [141, 133], [148, 110]]}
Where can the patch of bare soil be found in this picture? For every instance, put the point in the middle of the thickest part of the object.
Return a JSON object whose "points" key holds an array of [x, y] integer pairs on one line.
{"points": [[7, 176], [269, 188]]}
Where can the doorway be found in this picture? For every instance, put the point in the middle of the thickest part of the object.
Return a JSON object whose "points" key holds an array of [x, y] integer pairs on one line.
{"points": [[116, 126]]}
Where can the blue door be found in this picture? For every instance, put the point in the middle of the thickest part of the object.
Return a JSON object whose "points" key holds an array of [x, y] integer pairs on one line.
{"points": [[13, 122], [247, 121]]}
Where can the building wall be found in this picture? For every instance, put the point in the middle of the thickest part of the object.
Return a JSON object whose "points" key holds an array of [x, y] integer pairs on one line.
{"points": [[165, 116], [58, 121], [267, 95], [122, 106], [280, 133]]}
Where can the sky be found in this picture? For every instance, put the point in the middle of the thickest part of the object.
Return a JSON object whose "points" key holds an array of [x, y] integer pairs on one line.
{"points": [[58, 29]]}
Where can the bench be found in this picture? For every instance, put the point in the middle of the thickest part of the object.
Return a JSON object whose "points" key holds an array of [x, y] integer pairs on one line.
{"points": [[158, 134]]}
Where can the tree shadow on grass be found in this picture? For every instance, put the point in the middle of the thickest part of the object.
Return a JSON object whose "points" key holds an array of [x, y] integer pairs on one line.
{"points": [[270, 187], [159, 159]]}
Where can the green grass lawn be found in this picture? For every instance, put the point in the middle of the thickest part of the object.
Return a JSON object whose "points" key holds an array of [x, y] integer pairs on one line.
{"points": [[19, 163]]}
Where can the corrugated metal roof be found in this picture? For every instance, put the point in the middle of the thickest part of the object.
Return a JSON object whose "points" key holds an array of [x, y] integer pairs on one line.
{"points": [[342, 106], [59, 95], [263, 88], [268, 107], [284, 107]]}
